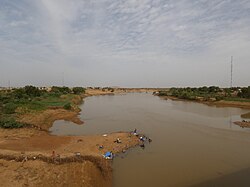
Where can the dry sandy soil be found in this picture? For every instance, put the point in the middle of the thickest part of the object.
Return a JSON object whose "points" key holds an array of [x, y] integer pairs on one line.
{"points": [[38, 173], [45, 119], [92, 92], [30, 157]]}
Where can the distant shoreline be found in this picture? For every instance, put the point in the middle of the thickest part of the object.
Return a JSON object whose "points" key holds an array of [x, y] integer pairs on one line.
{"points": [[222, 103]]}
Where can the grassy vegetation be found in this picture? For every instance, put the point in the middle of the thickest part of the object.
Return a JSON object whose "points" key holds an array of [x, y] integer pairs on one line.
{"points": [[236, 99], [10, 123], [212, 93], [30, 99], [42, 103]]}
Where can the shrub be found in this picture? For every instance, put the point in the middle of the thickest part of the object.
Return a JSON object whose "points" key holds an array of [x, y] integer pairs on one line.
{"points": [[67, 106], [218, 98], [213, 89], [26, 92], [32, 91], [9, 108], [61, 90], [163, 93], [19, 93], [10, 124], [78, 90], [245, 92]]}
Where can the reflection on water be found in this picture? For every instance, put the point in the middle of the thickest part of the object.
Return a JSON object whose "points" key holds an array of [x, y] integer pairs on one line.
{"points": [[192, 143]]}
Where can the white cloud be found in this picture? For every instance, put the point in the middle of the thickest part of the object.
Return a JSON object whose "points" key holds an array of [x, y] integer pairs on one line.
{"points": [[80, 36]]}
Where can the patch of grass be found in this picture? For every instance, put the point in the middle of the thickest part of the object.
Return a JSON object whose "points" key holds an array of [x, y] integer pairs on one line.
{"points": [[9, 108], [42, 103], [67, 106], [236, 99], [10, 123]]}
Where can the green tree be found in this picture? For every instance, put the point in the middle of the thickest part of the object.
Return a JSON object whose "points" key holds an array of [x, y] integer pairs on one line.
{"points": [[78, 90], [213, 89], [32, 91], [60, 90], [19, 93], [245, 92]]}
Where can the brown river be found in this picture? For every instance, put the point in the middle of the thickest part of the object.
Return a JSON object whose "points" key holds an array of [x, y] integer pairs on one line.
{"points": [[193, 144]]}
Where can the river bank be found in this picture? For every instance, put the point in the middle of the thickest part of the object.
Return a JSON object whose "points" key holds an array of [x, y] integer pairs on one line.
{"points": [[21, 148], [243, 124], [222, 103], [32, 157]]}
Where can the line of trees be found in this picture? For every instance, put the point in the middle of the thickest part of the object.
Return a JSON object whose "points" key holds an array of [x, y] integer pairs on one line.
{"points": [[244, 92], [207, 93], [32, 91]]}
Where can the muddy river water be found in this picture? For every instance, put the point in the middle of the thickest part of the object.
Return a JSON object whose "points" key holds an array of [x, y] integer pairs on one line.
{"points": [[193, 144]]}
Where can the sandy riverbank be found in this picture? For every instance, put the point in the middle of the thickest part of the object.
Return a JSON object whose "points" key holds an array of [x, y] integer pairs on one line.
{"points": [[245, 105], [96, 92], [33, 157], [222, 103], [243, 124], [60, 155]]}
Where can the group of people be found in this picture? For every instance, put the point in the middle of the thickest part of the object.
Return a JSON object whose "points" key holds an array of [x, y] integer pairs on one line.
{"points": [[245, 121], [142, 138]]}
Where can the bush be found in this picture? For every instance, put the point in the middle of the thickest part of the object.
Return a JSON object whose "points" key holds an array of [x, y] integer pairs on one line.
{"points": [[32, 91], [19, 93], [27, 92], [218, 98], [60, 90], [10, 124], [163, 93], [213, 89], [9, 108], [245, 92], [78, 90], [67, 106], [4, 98]]}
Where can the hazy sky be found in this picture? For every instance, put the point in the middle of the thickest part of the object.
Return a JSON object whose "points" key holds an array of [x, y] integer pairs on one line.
{"points": [[128, 43]]}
